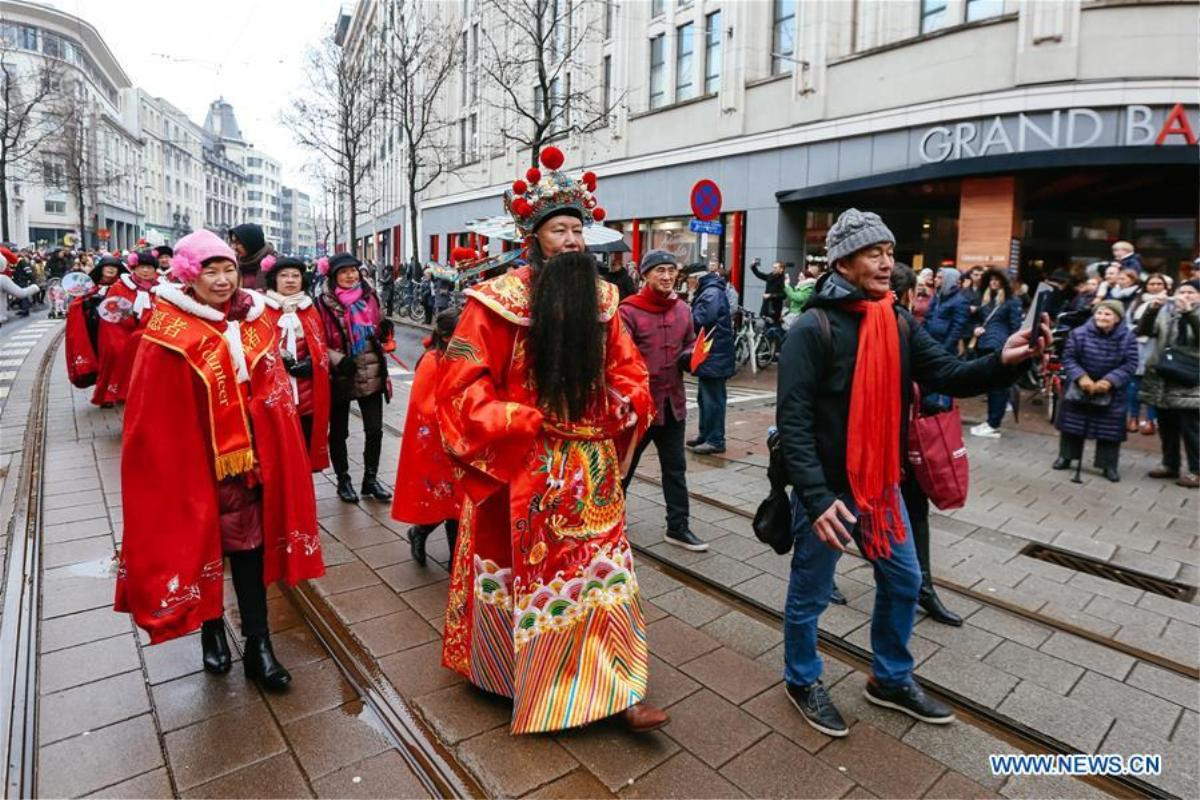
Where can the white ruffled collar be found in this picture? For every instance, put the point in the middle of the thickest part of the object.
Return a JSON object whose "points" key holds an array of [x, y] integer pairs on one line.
{"points": [[279, 302], [175, 295]]}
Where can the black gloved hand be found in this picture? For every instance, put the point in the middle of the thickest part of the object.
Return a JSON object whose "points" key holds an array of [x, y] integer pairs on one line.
{"points": [[288, 361], [300, 369], [345, 367]]}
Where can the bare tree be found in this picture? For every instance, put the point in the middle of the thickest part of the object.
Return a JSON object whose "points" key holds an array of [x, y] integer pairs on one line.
{"points": [[418, 68], [333, 119], [26, 97], [533, 53]]}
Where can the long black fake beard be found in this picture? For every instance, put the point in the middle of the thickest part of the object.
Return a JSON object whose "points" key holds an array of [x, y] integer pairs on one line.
{"points": [[566, 340]]}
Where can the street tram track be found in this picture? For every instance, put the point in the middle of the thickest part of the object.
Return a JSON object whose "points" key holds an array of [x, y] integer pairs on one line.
{"points": [[22, 598], [1179, 668], [1020, 736]]}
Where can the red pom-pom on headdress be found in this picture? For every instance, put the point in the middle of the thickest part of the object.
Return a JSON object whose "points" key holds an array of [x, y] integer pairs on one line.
{"points": [[522, 207], [533, 174], [268, 264], [589, 177], [598, 214], [323, 265], [552, 158], [520, 187]]}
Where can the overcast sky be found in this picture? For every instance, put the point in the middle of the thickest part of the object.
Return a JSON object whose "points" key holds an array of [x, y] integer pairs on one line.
{"points": [[193, 51]]}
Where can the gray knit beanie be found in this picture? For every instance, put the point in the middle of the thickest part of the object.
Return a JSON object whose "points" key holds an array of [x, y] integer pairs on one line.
{"points": [[654, 258], [853, 231]]}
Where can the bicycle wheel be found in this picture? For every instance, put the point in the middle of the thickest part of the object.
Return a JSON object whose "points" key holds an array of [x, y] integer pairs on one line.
{"points": [[741, 351], [764, 354]]}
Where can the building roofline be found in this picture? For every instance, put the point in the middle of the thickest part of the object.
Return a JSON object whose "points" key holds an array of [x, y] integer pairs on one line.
{"points": [[84, 29]]}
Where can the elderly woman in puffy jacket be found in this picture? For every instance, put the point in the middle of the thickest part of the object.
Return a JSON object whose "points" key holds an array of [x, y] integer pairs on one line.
{"points": [[350, 311], [998, 317], [1100, 359], [947, 316], [1174, 324]]}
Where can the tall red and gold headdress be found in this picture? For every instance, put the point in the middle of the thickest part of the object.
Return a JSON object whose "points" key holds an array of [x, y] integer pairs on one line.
{"points": [[541, 195]]}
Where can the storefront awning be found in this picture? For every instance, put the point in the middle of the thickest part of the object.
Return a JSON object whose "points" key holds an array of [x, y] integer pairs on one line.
{"points": [[1001, 165]]}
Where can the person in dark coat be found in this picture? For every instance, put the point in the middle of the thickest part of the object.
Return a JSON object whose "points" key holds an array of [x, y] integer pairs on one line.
{"points": [[1100, 358], [251, 246], [661, 327], [710, 312], [773, 294], [616, 274], [1124, 254], [351, 314], [845, 383], [998, 317], [1174, 323], [949, 312]]}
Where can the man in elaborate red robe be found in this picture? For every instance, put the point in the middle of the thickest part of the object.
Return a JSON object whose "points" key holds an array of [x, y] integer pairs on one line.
{"points": [[543, 604]]}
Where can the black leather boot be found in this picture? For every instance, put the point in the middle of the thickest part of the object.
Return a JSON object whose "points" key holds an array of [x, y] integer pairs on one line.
{"points": [[417, 535], [346, 489], [934, 607], [261, 665], [371, 487], [215, 647], [836, 597]]}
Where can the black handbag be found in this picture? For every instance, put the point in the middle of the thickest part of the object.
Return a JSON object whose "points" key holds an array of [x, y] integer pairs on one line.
{"points": [[1178, 365], [773, 520], [1076, 395]]}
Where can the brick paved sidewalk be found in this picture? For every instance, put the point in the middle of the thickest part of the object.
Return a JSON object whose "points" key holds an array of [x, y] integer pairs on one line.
{"points": [[118, 718]]}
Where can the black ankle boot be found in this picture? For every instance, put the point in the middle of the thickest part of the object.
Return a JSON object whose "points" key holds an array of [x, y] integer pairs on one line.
{"points": [[416, 543], [346, 489], [836, 597], [371, 487], [215, 647], [934, 607], [261, 665]]}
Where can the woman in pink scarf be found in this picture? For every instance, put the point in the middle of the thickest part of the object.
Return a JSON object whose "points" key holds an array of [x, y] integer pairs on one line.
{"points": [[350, 312]]}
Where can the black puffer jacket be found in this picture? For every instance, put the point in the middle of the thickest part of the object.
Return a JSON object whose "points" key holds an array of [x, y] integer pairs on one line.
{"points": [[815, 380]]}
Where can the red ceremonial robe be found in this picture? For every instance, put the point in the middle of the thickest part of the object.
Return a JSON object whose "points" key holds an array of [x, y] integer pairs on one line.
{"points": [[427, 484], [284, 313], [83, 365], [118, 344], [543, 603], [170, 572]]}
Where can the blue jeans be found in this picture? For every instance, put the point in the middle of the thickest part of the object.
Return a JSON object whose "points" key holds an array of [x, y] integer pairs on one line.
{"points": [[997, 404], [711, 398], [897, 582], [1135, 405]]}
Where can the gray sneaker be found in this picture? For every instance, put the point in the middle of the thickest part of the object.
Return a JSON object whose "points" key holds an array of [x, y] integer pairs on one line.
{"points": [[817, 708]]}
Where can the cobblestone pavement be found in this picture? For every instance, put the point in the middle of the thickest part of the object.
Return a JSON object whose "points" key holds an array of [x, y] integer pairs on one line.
{"points": [[123, 719]]}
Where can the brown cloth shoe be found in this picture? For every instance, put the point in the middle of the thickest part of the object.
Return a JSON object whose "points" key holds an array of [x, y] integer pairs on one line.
{"points": [[643, 718], [1131, 425], [1162, 472], [1148, 428], [1190, 481]]}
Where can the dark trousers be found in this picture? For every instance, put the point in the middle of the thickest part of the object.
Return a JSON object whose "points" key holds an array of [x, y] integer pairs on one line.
{"points": [[918, 515], [1108, 454], [711, 398], [997, 403], [306, 422], [246, 567], [451, 526], [1174, 424], [371, 409], [668, 440]]}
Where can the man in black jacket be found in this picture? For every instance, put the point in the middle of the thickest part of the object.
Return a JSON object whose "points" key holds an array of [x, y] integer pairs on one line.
{"points": [[772, 299], [842, 435]]}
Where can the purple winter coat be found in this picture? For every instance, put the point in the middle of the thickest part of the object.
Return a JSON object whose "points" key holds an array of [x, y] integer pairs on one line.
{"points": [[1111, 356], [662, 338]]}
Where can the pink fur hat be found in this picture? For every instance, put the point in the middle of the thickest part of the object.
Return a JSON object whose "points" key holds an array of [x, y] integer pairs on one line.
{"points": [[193, 250]]}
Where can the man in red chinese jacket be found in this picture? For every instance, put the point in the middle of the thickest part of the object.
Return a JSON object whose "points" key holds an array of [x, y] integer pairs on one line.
{"points": [[542, 399]]}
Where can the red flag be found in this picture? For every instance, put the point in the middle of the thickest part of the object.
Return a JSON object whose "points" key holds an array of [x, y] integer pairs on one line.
{"points": [[700, 352]]}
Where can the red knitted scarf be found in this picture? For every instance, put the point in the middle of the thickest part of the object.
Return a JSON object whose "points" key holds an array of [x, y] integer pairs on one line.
{"points": [[873, 440], [651, 301]]}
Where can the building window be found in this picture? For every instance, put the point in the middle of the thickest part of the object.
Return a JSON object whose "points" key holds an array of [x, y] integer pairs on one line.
{"points": [[610, 9], [55, 206], [712, 52], [685, 86], [657, 8], [474, 76], [473, 141], [253, 162], [462, 141], [463, 78], [982, 9], [933, 15], [607, 86], [783, 36], [658, 94], [29, 37]]}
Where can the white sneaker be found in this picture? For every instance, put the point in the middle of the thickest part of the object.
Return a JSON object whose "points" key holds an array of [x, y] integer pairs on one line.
{"points": [[985, 431]]}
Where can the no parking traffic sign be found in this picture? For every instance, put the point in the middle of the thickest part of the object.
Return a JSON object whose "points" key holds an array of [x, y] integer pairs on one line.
{"points": [[706, 200]]}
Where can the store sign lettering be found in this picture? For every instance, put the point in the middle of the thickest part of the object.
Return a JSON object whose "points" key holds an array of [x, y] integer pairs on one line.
{"points": [[1072, 128]]}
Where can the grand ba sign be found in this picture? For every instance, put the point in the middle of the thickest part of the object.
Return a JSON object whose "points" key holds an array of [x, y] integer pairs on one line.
{"points": [[1127, 126]]}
